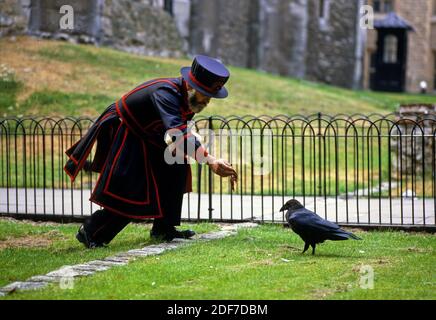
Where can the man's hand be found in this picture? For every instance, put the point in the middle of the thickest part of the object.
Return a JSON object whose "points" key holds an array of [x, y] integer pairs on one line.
{"points": [[223, 169]]}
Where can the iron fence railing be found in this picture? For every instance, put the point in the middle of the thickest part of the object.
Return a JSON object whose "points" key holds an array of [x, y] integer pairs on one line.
{"points": [[357, 170]]}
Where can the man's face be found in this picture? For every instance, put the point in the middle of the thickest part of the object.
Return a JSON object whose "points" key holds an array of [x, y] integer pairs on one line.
{"points": [[197, 101]]}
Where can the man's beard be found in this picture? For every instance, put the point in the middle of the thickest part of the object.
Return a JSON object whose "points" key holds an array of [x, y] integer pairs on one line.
{"points": [[195, 106]]}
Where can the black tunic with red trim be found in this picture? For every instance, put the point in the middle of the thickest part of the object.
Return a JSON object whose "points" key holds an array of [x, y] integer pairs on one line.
{"points": [[135, 181]]}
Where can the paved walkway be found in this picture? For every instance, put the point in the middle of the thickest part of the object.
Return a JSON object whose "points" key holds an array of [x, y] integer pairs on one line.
{"points": [[65, 275], [226, 207]]}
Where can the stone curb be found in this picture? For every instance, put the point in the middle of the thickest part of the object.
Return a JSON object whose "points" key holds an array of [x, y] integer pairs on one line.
{"points": [[66, 273]]}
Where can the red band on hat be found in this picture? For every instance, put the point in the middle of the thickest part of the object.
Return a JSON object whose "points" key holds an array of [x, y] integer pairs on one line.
{"points": [[198, 83]]}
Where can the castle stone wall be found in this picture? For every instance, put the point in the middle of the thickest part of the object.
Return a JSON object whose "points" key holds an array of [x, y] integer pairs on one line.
{"points": [[14, 17], [331, 55], [419, 51], [139, 26]]}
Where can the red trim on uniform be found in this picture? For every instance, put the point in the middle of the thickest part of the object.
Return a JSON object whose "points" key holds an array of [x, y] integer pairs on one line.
{"points": [[154, 123], [106, 187], [106, 162], [72, 178], [186, 114], [126, 123], [74, 160], [132, 130], [87, 153], [199, 149], [129, 201], [183, 126], [140, 88], [121, 213], [70, 155], [201, 85], [79, 164], [152, 83], [130, 115]]}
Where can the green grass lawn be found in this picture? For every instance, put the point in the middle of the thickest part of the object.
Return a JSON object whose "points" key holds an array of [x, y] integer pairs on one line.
{"points": [[28, 249], [261, 263], [58, 78]]}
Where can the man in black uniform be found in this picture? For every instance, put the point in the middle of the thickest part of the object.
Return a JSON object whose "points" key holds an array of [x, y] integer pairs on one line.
{"points": [[135, 181]]}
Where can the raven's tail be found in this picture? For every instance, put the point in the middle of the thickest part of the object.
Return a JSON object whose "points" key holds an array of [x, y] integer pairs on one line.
{"points": [[344, 235], [353, 236]]}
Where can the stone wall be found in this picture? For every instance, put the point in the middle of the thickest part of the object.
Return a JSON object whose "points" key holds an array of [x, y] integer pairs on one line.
{"points": [[286, 37], [331, 54], [279, 36], [265, 34], [44, 19], [221, 28], [14, 16], [419, 51], [283, 36], [139, 26], [182, 15], [413, 139]]}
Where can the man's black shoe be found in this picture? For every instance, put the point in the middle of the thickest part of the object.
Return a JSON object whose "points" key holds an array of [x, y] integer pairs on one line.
{"points": [[171, 234], [185, 234], [83, 238], [160, 236]]}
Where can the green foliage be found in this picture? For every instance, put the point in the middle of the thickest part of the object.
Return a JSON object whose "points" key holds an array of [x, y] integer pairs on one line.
{"points": [[63, 103], [117, 62], [261, 263]]}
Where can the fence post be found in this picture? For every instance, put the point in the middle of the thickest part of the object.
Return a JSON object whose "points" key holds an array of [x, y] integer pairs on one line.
{"points": [[210, 171], [318, 188], [199, 167]]}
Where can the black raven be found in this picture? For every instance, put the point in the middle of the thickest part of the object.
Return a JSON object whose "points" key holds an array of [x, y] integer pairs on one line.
{"points": [[312, 228]]}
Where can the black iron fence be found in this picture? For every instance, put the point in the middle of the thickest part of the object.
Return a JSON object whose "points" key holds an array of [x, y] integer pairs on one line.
{"points": [[356, 170]]}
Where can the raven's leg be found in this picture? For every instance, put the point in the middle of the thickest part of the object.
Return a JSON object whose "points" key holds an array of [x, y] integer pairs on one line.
{"points": [[306, 246], [313, 248]]}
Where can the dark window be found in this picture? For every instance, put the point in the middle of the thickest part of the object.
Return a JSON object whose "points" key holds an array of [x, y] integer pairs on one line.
{"points": [[168, 6], [322, 9], [377, 5], [323, 12]]}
